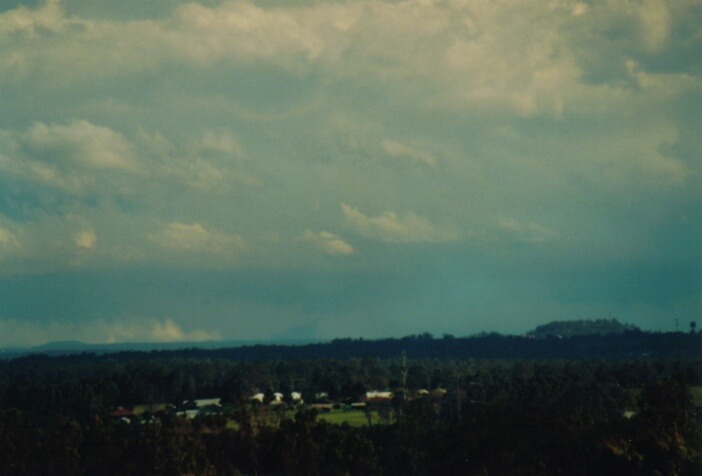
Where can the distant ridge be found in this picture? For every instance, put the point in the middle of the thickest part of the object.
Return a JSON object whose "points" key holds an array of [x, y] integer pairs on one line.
{"points": [[630, 344], [68, 347], [581, 328]]}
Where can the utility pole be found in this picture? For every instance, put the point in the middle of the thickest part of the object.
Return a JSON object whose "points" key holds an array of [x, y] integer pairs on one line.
{"points": [[403, 370], [457, 409]]}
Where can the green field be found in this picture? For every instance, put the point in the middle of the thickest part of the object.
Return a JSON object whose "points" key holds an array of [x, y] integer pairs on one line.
{"points": [[355, 418], [696, 393], [352, 417]]}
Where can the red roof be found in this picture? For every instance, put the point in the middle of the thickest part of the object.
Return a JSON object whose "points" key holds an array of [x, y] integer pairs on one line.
{"points": [[122, 412]]}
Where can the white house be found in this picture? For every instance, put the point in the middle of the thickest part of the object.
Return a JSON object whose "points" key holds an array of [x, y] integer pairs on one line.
{"points": [[205, 402], [277, 399], [378, 394], [258, 397]]}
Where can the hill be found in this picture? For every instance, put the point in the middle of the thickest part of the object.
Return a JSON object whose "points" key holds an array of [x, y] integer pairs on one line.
{"points": [[581, 328]]}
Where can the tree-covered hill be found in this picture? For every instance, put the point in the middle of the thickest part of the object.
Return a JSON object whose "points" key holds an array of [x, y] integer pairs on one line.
{"points": [[624, 345], [581, 327]]}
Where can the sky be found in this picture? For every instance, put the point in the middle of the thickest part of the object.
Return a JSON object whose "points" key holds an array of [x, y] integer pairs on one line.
{"points": [[275, 169]]}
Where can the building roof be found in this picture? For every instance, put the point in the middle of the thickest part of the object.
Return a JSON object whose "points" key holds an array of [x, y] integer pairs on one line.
{"points": [[122, 412]]}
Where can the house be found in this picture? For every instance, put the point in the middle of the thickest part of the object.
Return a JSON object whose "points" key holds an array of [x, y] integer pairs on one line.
{"points": [[296, 397], [277, 399], [258, 397], [152, 408], [211, 409], [323, 407], [378, 395], [122, 414], [201, 406], [204, 402], [192, 413]]}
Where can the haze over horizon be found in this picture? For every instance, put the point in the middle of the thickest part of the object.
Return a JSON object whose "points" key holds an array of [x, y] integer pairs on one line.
{"points": [[184, 171]]}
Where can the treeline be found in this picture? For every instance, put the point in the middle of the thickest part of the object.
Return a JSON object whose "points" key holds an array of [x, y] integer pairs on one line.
{"points": [[626, 344], [84, 385], [551, 415], [581, 327], [630, 344], [497, 417]]}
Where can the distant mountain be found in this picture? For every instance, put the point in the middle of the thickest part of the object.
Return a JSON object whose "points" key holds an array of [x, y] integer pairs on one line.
{"points": [[307, 331], [69, 347], [75, 345], [581, 328]]}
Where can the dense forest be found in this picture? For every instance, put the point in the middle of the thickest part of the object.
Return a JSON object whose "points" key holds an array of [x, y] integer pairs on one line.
{"points": [[618, 404], [581, 327], [561, 340]]}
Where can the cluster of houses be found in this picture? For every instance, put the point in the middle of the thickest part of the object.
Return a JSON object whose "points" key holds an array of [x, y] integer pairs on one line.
{"points": [[188, 409], [279, 398], [213, 406]]}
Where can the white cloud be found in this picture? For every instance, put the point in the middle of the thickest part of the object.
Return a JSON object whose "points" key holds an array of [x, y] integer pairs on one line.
{"points": [[132, 329], [196, 238], [48, 242], [17, 333], [223, 142], [27, 20], [76, 158], [241, 29], [169, 331], [655, 21], [86, 239], [329, 243], [140, 121], [397, 150], [525, 231], [481, 54], [211, 163], [79, 142], [391, 228], [9, 244]]}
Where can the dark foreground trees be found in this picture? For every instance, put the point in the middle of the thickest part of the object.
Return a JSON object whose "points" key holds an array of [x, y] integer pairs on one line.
{"points": [[564, 435], [496, 417]]}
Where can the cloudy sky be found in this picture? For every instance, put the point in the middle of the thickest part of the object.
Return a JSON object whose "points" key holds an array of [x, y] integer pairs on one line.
{"points": [[300, 168]]}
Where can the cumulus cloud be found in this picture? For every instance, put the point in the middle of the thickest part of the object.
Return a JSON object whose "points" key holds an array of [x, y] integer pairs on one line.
{"points": [[655, 21], [131, 329], [48, 243], [525, 231], [466, 54], [329, 243], [27, 19], [223, 142], [9, 244], [397, 150], [86, 240], [391, 228], [250, 31], [16, 333], [163, 132], [75, 158], [478, 55], [81, 142], [196, 238], [169, 331]]}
